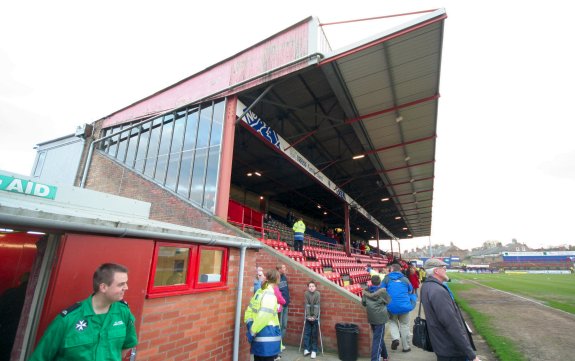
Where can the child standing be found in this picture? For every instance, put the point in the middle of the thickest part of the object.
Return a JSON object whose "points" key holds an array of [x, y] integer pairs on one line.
{"points": [[311, 320], [376, 300]]}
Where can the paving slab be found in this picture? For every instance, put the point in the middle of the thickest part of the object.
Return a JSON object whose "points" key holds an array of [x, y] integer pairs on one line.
{"points": [[292, 353]]}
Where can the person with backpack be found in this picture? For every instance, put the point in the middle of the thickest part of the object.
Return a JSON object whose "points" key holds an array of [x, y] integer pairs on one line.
{"points": [[402, 302]]}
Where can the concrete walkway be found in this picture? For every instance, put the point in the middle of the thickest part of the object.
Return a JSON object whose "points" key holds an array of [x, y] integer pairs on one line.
{"points": [[291, 353]]}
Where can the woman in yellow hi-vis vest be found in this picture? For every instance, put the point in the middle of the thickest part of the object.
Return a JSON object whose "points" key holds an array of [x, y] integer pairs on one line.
{"points": [[261, 318]]}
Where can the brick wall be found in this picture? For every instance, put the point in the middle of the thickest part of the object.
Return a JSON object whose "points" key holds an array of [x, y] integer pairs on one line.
{"points": [[197, 327], [337, 304], [108, 176]]}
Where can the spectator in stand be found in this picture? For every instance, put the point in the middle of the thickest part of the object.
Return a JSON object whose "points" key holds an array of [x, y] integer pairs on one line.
{"points": [[329, 233], [413, 278], [342, 237], [290, 218], [298, 233], [362, 247]]}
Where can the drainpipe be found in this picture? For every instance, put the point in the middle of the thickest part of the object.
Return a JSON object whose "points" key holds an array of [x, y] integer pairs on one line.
{"points": [[238, 321]]}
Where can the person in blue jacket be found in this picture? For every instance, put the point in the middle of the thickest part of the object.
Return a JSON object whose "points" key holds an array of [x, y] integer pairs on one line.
{"points": [[402, 302]]}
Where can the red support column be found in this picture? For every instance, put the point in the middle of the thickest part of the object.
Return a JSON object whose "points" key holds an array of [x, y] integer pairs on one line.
{"points": [[377, 236], [347, 233], [391, 244], [225, 176]]}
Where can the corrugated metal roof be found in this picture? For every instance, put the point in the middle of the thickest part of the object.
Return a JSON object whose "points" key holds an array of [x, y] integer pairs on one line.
{"points": [[399, 76], [377, 98]]}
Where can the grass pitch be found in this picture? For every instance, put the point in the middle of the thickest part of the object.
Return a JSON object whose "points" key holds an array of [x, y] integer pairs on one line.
{"points": [[554, 290]]}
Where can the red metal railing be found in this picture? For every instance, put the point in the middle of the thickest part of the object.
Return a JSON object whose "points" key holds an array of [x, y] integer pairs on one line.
{"points": [[263, 233]]}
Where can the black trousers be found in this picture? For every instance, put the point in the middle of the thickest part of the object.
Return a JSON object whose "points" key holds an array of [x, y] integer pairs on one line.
{"points": [[457, 358], [264, 358], [297, 245]]}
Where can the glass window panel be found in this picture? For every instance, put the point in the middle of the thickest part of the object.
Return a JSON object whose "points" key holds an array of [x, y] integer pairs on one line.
{"points": [[142, 147], [104, 144], [214, 157], [201, 158], [132, 146], [123, 145], [197, 189], [172, 266], [188, 152], [210, 270], [164, 150], [113, 145], [176, 151], [153, 148]]}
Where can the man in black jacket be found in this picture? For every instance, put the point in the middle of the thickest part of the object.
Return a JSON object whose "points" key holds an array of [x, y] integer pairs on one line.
{"points": [[448, 332]]}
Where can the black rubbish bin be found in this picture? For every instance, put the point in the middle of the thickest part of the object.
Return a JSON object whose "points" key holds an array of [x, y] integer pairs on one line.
{"points": [[347, 334]]}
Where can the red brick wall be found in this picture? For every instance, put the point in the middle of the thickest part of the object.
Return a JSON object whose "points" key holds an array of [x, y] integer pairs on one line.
{"points": [[337, 305], [190, 327], [198, 327], [107, 176]]}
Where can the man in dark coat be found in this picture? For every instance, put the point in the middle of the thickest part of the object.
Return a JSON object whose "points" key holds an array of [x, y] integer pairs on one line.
{"points": [[448, 332]]}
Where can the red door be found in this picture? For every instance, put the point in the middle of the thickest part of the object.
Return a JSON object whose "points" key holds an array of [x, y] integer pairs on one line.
{"points": [[79, 256]]}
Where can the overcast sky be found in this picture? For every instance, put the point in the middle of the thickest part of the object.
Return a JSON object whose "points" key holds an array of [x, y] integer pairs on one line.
{"points": [[505, 157]]}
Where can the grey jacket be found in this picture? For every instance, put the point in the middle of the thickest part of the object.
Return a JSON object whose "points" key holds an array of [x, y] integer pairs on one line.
{"points": [[312, 304], [447, 331], [376, 301]]}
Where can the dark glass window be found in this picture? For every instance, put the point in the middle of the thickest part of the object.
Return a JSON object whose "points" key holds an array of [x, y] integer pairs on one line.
{"points": [[113, 142], [153, 148], [214, 157], [201, 158], [123, 145], [188, 153], [142, 147], [180, 150], [164, 151], [132, 146], [176, 151]]}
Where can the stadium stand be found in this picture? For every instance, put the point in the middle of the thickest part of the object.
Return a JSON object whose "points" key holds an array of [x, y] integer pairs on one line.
{"points": [[325, 258]]}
